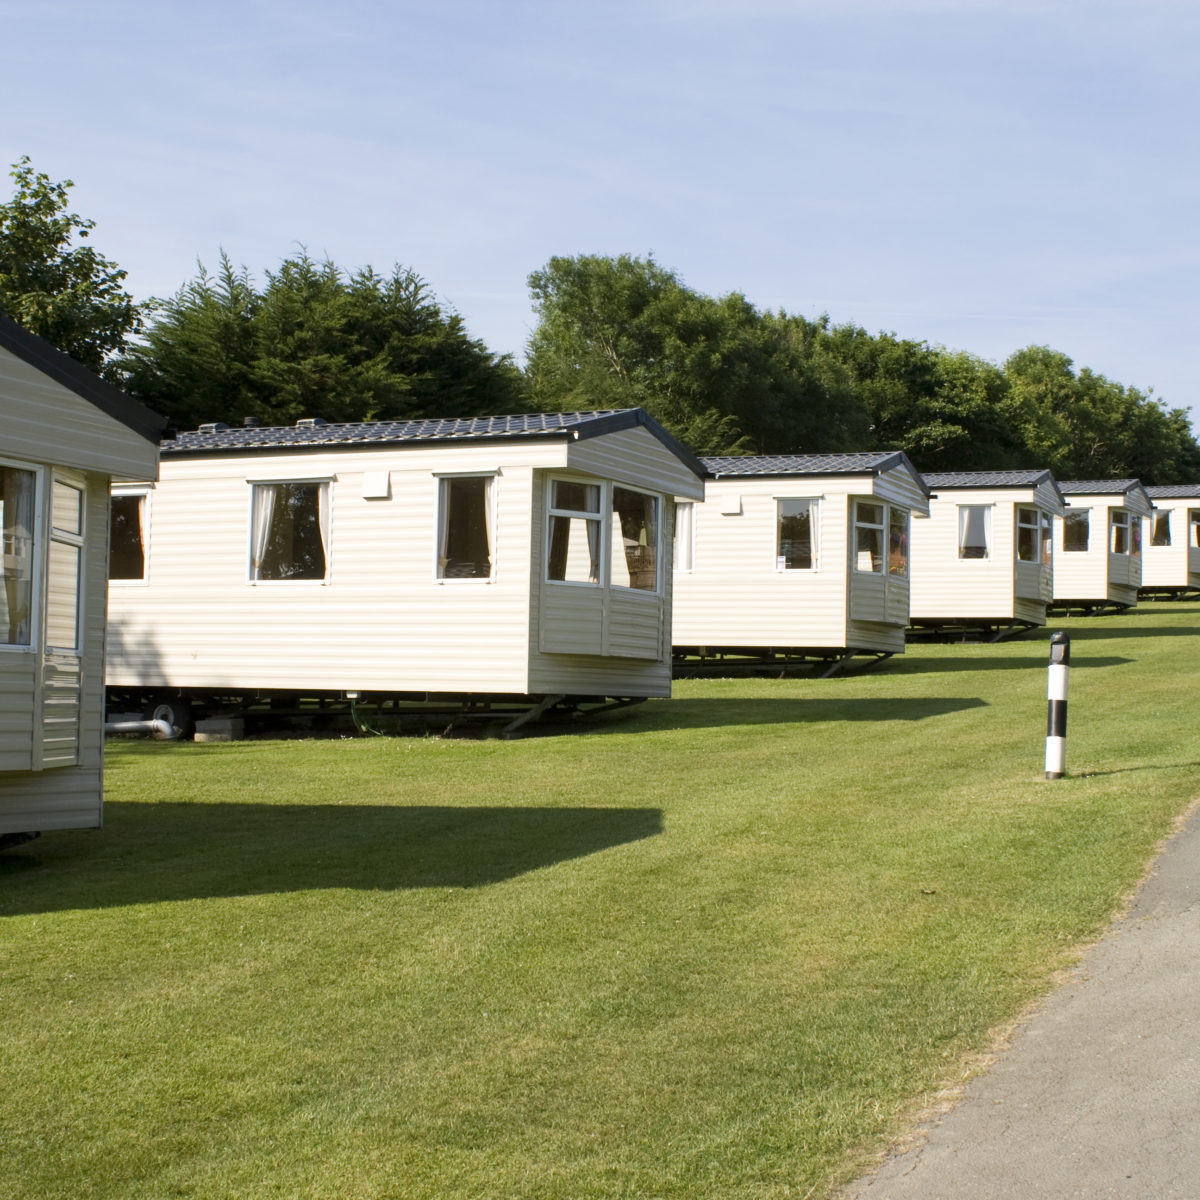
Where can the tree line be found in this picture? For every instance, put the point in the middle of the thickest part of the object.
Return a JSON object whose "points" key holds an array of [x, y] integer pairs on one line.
{"points": [[722, 375]]}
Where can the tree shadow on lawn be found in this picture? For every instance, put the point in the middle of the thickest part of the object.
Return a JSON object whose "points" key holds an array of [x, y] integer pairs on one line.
{"points": [[1099, 630], [169, 850], [919, 665]]}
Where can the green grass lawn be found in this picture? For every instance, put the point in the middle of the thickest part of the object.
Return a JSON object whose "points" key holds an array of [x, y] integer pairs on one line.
{"points": [[720, 948]]}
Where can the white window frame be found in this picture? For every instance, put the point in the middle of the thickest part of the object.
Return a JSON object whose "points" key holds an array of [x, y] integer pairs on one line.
{"points": [[1035, 528], [324, 481], [1120, 518], [814, 526], [890, 571], [442, 480], [38, 561], [988, 541], [143, 492], [683, 537], [1086, 514], [77, 541], [881, 525]]}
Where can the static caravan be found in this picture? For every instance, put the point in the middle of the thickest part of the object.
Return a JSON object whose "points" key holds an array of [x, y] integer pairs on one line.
{"points": [[795, 557], [1100, 538], [982, 563], [503, 557], [1171, 541], [64, 434]]}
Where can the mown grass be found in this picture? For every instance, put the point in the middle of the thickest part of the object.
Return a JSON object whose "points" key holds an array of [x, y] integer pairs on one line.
{"points": [[720, 948]]}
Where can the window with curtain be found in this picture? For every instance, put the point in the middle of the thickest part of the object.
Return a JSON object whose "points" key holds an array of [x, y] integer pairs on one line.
{"points": [[683, 553], [465, 527], [795, 535], [1076, 528], [1047, 539], [127, 537], [897, 540], [634, 539], [973, 530], [1121, 533], [289, 531], [868, 537], [576, 524], [1160, 529], [1028, 534], [65, 567], [18, 496], [1194, 528]]}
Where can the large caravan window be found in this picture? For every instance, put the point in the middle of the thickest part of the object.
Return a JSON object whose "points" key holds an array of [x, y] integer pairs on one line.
{"points": [[898, 519], [1194, 528], [635, 526], [1028, 534], [973, 520], [1075, 531], [1160, 528], [127, 541], [289, 531], [1125, 533], [18, 503], [796, 540], [868, 537], [684, 543], [576, 524], [465, 527], [63, 575]]}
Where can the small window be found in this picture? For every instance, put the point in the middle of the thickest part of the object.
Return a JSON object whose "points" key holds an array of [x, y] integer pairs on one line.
{"points": [[1047, 539], [18, 495], [634, 539], [1160, 528], [684, 538], [65, 568], [795, 540], [465, 527], [1194, 528], [1028, 534], [1121, 533], [1076, 527], [127, 537], [575, 527], [973, 531], [290, 532], [898, 541]]}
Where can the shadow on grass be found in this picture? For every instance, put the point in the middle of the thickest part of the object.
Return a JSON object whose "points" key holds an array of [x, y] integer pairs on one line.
{"points": [[914, 663], [1097, 629], [175, 851]]}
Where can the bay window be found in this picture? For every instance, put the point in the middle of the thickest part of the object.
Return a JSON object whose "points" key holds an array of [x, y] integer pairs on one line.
{"points": [[1028, 534], [898, 519], [18, 504], [289, 537], [868, 537], [1125, 533], [634, 539], [576, 524], [603, 532]]}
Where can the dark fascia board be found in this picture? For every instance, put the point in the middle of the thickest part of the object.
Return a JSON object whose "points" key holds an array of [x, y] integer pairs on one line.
{"points": [[631, 418], [74, 376]]}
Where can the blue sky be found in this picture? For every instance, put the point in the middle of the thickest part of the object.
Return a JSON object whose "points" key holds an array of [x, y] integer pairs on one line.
{"points": [[983, 174]]}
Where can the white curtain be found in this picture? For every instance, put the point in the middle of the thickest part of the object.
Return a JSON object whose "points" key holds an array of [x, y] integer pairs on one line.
{"points": [[323, 520], [488, 524], [593, 534], [264, 510]]}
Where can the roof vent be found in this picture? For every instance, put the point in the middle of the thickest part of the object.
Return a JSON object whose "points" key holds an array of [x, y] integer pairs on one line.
{"points": [[213, 427], [251, 422], [310, 422]]}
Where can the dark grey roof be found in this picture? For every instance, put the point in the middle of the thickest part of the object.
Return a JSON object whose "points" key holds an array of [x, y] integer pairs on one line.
{"points": [[1173, 491], [866, 463], [1099, 487], [74, 376], [986, 479], [218, 439]]}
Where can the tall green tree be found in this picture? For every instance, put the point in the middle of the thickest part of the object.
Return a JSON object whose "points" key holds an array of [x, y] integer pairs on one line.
{"points": [[314, 341], [53, 281]]}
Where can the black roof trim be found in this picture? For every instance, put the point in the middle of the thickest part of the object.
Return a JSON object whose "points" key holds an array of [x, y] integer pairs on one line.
{"points": [[868, 462], [74, 376], [992, 479], [351, 435]]}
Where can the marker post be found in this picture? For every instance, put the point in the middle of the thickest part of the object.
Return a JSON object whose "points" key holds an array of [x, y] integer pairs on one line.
{"points": [[1056, 719]]}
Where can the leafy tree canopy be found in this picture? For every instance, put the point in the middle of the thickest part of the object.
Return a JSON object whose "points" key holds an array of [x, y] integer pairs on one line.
{"points": [[54, 285], [313, 341]]}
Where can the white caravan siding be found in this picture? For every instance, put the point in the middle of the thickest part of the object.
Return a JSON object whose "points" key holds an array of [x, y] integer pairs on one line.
{"points": [[1178, 564], [1097, 575]]}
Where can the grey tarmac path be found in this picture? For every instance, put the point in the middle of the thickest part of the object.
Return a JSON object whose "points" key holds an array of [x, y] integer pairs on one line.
{"points": [[1099, 1092]]}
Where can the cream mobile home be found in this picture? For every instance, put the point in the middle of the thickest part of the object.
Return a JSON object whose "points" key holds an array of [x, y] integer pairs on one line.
{"points": [[982, 563], [515, 556], [1099, 566], [64, 434], [1171, 541], [795, 557]]}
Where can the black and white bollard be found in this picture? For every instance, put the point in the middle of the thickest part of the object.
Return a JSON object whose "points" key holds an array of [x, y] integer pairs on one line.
{"points": [[1056, 720]]}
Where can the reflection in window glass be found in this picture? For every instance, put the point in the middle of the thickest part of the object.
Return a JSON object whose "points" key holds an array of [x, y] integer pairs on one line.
{"points": [[465, 528], [1121, 541], [795, 542], [1047, 539], [1075, 531], [290, 531], [1028, 534], [635, 539], [575, 527], [868, 537], [898, 541], [17, 493], [127, 538], [973, 531], [1160, 529]]}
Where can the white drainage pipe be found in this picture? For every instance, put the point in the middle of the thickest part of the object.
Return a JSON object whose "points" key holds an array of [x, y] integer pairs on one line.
{"points": [[162, 727]]}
